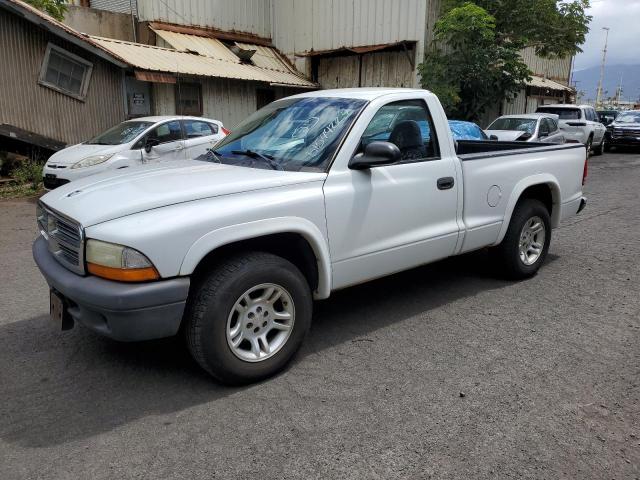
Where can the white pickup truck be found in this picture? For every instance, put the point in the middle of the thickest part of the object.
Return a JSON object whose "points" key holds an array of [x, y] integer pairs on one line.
{"points": [[312, 193]]}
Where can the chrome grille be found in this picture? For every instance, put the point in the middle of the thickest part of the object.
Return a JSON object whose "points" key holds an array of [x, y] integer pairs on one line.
{"points": [[65, 238], [626, 132]]}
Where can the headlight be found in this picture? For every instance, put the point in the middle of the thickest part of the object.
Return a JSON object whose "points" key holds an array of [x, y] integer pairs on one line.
{"points": [[117, 262], [91, 161]]}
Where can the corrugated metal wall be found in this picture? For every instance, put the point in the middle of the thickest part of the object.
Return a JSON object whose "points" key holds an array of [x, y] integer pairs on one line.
{"points": [[41, 110], [251, 16], [379, 69], [120, 6], [300, 26], [222, 99], [518, 105], [557, 69]]}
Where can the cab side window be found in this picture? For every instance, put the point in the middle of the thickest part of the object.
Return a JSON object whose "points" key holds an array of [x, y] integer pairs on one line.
{"points": [[408, 125], [544, 128]]}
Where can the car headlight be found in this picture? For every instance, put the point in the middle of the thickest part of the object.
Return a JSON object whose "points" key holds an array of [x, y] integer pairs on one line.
{"points": [[117, 262], [91, 161]]}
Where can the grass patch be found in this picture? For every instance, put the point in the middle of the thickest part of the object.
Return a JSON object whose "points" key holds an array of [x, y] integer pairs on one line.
{"points": [[8, 191]]}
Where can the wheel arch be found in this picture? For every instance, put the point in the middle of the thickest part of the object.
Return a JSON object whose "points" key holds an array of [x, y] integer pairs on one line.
{"points": [[543, 187], [295, 239]]}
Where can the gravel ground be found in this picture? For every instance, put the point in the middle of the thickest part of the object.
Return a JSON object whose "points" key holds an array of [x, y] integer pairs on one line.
{"points": [[441, 372]]}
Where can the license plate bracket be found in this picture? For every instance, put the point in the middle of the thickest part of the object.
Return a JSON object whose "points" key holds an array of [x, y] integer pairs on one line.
{"points": [[58, 311]]}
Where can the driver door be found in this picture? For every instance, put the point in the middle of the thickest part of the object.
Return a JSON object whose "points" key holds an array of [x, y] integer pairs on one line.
{"points": [[168, 143], [389, 218]]}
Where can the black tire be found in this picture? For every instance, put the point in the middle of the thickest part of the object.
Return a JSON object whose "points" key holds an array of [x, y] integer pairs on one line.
{"points": [[212, 300], [589, 146], [599, 150], [507, 254]]}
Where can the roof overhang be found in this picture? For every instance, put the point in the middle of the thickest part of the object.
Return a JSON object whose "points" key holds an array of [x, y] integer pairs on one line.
{"points": [[233, 36], [359, 50], [545, 83], [59, 29]]}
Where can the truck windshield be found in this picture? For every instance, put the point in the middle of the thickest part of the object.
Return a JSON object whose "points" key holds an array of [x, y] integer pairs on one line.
{"points": [[122, 133], [293, 134], [563, 113], [519, 124]]}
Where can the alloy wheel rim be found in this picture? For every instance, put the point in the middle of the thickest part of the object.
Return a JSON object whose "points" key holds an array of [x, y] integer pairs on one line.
{"points": [[532, 238], [260, 322]]}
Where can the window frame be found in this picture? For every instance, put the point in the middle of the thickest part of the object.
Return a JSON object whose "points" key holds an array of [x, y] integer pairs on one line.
{"points": [[73, 57], [432, 131], [179, 85]]}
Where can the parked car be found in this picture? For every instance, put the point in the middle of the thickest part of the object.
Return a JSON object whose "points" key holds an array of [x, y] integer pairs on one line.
{"points": [[463, 130], [607, 116], [625, 130], [234, 252], [579, 123], [531, 127], [134, 142]]}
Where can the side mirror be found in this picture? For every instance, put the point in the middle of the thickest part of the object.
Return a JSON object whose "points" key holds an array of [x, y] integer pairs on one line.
{"points": [[493, 137], [376, 154], [149, 144]]}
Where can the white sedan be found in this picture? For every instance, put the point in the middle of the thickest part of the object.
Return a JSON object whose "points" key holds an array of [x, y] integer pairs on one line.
{"points": [[526, 127], [134, 142]]}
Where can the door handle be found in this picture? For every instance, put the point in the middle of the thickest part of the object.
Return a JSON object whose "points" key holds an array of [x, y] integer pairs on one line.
{"points": [[445, 183], [179, 147]]}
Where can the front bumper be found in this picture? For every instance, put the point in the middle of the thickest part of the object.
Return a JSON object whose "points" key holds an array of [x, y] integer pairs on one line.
{"points": [[122, 311], [622, 140]]}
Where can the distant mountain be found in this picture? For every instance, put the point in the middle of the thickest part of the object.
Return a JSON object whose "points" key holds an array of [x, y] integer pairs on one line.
{"points": [[588, 81]]}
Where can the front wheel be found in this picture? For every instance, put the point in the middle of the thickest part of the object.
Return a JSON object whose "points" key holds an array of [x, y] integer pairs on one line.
{"points": [[526, 242], [248, 317]]}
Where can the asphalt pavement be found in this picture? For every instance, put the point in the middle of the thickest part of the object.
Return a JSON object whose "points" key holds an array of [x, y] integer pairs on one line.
{"points": [[445, 371]]}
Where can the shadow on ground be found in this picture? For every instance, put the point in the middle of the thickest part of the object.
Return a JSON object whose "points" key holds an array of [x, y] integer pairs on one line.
{"points": [[74, 385]]}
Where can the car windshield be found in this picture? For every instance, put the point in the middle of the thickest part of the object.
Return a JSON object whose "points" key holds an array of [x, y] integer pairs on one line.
{"points": [[518, 124], [293, 134], [629, 117], [563, 113], [122, 133]]}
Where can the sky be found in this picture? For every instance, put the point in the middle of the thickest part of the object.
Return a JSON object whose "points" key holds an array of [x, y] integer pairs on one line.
{"points": [[623, 18]]}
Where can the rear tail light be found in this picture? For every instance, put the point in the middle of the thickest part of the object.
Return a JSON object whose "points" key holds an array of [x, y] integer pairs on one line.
{"points": [[585, 171], [225, 131]]}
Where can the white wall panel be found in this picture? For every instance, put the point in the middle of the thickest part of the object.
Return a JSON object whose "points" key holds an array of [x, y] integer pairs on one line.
{"points": [[251, 16]]}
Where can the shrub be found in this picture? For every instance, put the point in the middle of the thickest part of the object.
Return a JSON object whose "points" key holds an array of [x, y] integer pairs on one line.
{"points": [[29, 172]]}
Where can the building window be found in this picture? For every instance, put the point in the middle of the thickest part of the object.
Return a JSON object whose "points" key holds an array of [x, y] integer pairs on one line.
{"points": [[188, 99], [65, 72]]}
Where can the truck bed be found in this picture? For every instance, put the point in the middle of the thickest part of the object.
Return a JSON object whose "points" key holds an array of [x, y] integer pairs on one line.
{"points": [[473, 149]]}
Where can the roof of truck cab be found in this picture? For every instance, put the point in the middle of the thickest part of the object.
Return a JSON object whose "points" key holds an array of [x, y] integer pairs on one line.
{"points": [[564, 105], [532, 116], [359, 93]]}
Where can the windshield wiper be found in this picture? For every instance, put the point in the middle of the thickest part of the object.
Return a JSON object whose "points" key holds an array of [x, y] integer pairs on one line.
{"points": [[268, 159]]}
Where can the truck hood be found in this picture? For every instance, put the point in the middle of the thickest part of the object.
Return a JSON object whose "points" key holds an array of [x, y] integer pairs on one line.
{"points": [[505, 135], [114, 194], [74, 154]]}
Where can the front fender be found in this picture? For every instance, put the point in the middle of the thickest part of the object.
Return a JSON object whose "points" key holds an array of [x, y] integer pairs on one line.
{"points": [[539, 179], [245, 231]]}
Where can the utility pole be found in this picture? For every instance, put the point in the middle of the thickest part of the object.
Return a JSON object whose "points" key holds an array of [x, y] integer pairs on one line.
{"points": [[604, 58], [619, 90]]}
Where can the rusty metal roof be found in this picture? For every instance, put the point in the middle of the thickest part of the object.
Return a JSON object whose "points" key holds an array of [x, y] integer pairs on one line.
{"points": [[158, 59], [542, 82], [207, 46]]}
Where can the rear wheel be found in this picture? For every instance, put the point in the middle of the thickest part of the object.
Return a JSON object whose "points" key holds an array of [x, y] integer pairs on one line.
{"points": [[599, 150], [248, 317], [589, 145], [526, 242]]}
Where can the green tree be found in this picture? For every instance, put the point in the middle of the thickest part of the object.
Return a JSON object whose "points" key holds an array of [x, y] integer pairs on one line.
{"points": [[474, 63], [55, 8]]}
